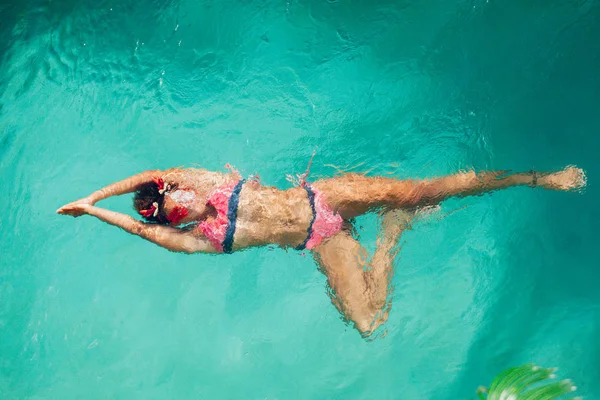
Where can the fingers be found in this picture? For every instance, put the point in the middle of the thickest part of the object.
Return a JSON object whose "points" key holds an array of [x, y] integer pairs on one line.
{"points": [[73, 209], [65, 209], [83, 201]]}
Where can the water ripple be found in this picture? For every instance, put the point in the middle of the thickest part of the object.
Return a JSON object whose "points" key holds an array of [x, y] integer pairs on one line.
{"points": [[92, 92]]}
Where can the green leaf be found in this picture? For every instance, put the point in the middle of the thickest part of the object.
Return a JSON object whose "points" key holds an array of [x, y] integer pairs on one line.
{"points": [[527, 382], [549, 391]]}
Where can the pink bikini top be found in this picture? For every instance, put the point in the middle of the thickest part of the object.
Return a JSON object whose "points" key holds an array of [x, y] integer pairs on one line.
{"points": [[221, 230]]}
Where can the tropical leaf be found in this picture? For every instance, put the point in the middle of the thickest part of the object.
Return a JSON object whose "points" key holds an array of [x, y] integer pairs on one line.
{"points": [[527, 382]]}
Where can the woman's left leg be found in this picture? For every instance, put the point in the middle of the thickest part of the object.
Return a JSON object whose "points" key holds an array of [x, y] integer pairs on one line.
{"points": [[352, 195], [360, 294]]}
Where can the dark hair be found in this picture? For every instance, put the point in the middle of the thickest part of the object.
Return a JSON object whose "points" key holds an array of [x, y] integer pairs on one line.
{"points": [[145, 196]]}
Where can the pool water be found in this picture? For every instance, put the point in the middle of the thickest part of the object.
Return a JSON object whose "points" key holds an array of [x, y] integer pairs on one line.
{"points": [[94, 91]]}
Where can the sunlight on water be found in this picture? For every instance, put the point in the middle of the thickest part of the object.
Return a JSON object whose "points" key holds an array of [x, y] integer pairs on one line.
{"points": [[92, 92]]}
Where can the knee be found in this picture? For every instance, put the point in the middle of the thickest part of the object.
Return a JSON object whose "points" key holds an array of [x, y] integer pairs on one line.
{"points": [[368, 324]]}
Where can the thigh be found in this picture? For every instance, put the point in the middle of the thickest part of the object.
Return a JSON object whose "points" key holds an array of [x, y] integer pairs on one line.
{"points": [[352, 195], [342, 259], [360, 288]]}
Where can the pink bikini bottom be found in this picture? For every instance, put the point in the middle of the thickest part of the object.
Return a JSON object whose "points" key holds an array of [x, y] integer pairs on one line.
{"points": [[325, 222]]}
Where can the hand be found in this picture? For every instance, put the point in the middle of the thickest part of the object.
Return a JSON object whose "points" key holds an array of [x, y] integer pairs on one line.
{"points": [[570, 178], [74, 209], [86, 200]]}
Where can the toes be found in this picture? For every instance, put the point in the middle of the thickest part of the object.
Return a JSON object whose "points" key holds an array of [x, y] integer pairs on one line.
{"points": [[581, 179]]}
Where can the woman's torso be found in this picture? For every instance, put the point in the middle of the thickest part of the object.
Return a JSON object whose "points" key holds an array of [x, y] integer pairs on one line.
{"points": [[267, 215]]}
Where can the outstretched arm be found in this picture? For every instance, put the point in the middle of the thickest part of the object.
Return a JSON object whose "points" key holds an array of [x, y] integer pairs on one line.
{"points": [[124, 186], [170, 238]]}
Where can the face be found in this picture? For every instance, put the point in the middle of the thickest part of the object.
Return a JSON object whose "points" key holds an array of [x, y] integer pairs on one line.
{"points": [[184, 202]]}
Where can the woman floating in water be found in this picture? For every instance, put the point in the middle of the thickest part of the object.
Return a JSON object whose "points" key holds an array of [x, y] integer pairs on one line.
{"points": [[221, 213]]}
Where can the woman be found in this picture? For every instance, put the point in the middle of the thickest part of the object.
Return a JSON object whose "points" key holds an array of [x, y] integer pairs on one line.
{"points": [[221, 212]]}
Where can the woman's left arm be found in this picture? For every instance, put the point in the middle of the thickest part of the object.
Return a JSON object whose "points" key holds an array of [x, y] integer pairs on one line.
{"points": [[124, 186], [170, 238]]}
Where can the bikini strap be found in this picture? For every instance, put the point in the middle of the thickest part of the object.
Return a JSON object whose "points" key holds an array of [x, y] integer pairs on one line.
{"points": [[232, 211], [311, 199]]}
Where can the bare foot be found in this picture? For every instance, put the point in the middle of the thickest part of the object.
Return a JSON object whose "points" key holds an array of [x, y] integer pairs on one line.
{"points": [[570, 178]]}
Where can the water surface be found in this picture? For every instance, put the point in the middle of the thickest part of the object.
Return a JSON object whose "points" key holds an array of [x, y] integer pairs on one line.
{"points": [[91, 92]]}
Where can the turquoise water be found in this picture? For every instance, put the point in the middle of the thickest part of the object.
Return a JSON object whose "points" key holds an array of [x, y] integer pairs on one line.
{"points": [[91, 92]]}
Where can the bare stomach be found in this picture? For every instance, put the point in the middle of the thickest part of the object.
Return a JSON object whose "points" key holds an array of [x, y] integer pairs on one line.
{"points": [[268, 232], [271, 216]]}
